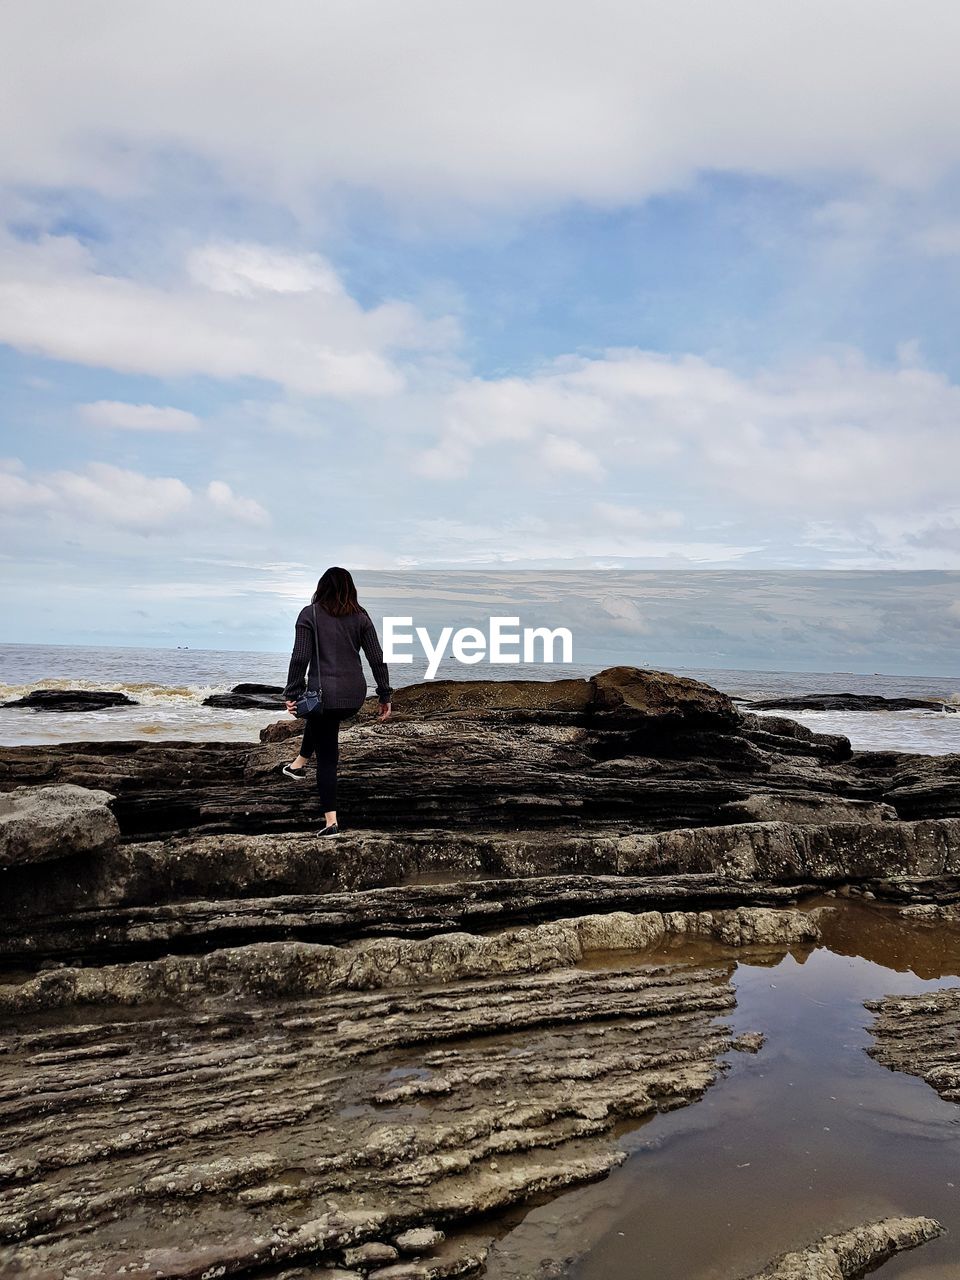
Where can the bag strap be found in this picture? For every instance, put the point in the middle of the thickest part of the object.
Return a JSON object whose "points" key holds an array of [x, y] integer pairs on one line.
{"points": [[316, 644]]}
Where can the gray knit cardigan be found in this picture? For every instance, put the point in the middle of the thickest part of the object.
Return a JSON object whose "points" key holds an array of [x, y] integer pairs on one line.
{"points": [[340, 640]]}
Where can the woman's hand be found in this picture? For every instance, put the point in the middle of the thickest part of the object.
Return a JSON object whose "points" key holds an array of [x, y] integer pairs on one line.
{"points": [[385, 709], [292, 707]]}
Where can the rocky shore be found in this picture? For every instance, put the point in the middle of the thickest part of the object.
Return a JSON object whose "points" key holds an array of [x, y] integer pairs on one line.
{"points": [[226, 1050]]}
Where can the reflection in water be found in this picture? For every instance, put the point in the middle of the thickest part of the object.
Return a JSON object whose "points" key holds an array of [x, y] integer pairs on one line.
{"points": [[880, 934], [808, 1137]]}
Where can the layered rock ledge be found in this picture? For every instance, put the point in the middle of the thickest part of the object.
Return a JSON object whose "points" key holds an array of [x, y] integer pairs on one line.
{"points": [[299, 1129], [921, 1036], [621, 752], [270, 969]]}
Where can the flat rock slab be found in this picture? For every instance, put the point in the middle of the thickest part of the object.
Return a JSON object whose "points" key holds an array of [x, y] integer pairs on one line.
{"points": [[40, 824], [812, 807], [72, 700], [849, 702], [851, 1254], [920, 1035], [293, 1131], [240, 699]]}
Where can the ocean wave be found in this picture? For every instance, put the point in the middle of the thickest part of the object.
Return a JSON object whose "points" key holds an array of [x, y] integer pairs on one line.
{"points": [[147, 693], [854, 715], [164, 720]]}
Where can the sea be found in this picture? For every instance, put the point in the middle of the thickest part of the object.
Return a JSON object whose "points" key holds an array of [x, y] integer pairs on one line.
{"points": [[169, 686]]}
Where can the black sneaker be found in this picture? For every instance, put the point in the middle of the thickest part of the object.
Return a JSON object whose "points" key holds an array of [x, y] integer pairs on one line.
{"points": [[298, 775], [333, 830]]}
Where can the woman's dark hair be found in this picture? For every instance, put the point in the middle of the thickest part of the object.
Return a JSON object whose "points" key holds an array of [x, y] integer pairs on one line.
{"points": [[337, 593]]}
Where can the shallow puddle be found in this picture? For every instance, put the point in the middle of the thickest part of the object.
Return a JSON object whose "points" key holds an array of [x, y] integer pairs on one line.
{"points": [[809, 1136]]}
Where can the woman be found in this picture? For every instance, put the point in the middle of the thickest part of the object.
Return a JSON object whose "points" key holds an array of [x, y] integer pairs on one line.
{"points": [[332, 629]]}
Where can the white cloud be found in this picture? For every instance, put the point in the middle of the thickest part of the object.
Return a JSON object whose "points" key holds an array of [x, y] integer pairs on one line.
{"points": [[938, 239], [514, 410], [579, 539], [636, 520], [248, 269], [832, 434], [239, 311], [832, 441], [548, 100], [560, 454], [123, 498], [921, 539], [245, 509], [113, 497], [19, 494], [138, 417]]}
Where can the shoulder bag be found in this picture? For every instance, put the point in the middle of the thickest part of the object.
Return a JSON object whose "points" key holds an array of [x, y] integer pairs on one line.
{"points": [[312, 699]]}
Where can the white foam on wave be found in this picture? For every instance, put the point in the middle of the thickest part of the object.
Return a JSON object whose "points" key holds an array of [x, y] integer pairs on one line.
{"points": [[930, 732], [168, 721]]}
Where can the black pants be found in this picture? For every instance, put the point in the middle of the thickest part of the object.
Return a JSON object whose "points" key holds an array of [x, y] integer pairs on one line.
{"points": [[322, 738]]}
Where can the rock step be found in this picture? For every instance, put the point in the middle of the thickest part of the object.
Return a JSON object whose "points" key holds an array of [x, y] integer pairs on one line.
{"points": [[43, 824], [224, 868], [409, 911]]}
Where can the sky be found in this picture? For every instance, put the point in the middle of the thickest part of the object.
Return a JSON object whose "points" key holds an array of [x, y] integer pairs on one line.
{"points": [[616, 285]]}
